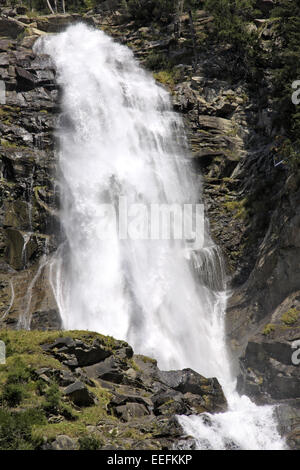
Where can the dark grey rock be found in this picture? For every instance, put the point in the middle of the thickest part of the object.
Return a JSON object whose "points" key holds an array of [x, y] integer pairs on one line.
{"points": [[63, 443], [80, 395], [109, 370], [131, 411]]}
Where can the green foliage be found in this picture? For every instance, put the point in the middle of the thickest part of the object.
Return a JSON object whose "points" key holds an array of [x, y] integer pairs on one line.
{"points": [[290, 152], [53, 403], [16, 429], [13, 394], [231, 20], [14, 390], [290, 317], [52, 399], [165, 77], [156, 61], [146, 11], [89, 443], [19, 373], [232, 25], [37, 5], [269, 328]]}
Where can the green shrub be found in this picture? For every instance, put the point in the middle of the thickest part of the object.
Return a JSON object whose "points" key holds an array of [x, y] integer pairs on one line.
{"points": [[145, 11], [156, 61], [13, 394], [89, 443], [290, 317], [53, 403], [19, 374], [15, 429], [269, 328]]}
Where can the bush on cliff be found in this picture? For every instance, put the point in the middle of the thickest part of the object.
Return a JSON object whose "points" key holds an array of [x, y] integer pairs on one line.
{"points": [[232, 20], [16, 429]]}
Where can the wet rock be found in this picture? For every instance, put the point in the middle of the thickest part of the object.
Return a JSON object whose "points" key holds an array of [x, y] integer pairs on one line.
{"points": [[170, 403], [46, 320], [288, 416], [16, 248]]}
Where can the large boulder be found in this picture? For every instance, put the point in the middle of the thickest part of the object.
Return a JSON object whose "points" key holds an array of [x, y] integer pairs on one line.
{"points": [[130, 411], [110, 370], [62, 442], [9, 27], [80, 395], [77, 353], [188, 381]]}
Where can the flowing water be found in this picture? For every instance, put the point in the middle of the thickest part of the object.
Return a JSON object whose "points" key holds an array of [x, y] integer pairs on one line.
{"points": [[119, 138]]}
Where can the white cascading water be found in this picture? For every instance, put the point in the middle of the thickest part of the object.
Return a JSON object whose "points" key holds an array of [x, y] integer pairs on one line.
{"points": [[118, 136]]}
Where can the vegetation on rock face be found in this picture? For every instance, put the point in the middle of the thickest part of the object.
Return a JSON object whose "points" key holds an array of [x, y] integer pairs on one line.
{"points": [[286, 54], [268, 329], [290, 317], [41, 399], [231, 24], [16, 429]]}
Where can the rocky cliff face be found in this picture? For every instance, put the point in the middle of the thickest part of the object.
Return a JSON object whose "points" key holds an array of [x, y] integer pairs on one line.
{"points": [[253, 205]]}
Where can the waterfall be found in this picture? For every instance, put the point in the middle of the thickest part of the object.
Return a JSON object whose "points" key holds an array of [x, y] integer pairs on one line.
{"points": [[120, 139]]}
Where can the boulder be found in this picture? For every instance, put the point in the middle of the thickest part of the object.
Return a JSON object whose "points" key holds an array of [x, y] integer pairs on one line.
{"points": [[188, 381], [80, 395], [46, 320], [288, 417], [77, 353], [63, 442], [131, 411]]}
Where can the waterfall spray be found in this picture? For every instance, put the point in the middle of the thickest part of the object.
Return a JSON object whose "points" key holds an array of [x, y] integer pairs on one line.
{"points": [[120, 138]]}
